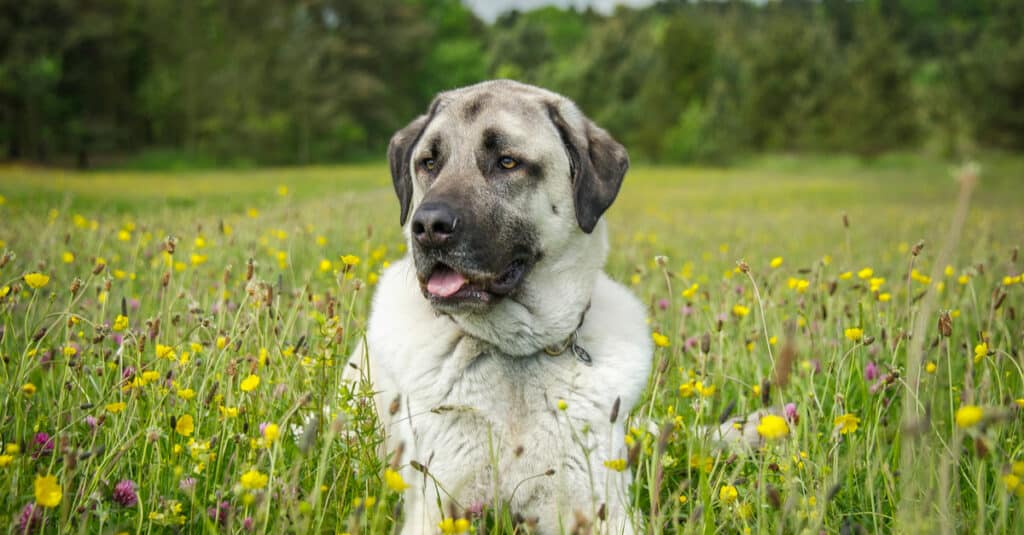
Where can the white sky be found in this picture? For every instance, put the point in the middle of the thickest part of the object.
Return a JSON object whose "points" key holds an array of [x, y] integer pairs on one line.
{"points": [[490, 9]]}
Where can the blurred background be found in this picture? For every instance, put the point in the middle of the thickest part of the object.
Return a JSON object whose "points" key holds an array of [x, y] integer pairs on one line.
{"points": [[201, 83]]}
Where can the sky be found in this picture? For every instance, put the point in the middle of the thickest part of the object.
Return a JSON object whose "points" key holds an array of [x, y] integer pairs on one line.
{"points": [[490, 9]]}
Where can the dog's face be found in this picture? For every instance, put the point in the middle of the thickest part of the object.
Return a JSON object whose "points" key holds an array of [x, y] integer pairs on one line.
{"points": [[493, 179]]}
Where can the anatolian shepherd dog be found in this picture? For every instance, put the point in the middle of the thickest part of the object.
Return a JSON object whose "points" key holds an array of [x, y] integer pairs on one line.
{"points": [[503, 359]]}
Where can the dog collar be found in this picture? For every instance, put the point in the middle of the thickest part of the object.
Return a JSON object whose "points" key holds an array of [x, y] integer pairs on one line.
{"points": [[571, 343]]}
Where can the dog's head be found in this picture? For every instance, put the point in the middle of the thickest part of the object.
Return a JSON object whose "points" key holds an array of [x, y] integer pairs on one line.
{"points": [[491, 180]]}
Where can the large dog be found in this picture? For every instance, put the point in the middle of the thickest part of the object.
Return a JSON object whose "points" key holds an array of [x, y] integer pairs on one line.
{"points": [[503, 359]]}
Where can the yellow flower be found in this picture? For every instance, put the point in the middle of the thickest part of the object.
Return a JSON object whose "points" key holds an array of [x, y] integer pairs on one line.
{"points": [[865, 273], [36, 280], [968, 416], [165, 352], [394, 480], [228, 412], [800, 285], [6, 460], [150, 376], [282, 190], [254, 480], [884, 297], [4, 290], [728, 494], [186, 393], [876, 283], [776, 262], [325, 265], [847, 423], [691, 291], [350, 260], [28, 389], [854, 333], [562, 405], [120, 323], [68, 257], [48, 491], [69, 351], [185, 426], [740, 311], [660, 340], [1011, 481], [773, 427], [963, 280], [12, 449], [124, 235], [930, 367], [683, 499], [980, 352], [704, 391], [221, 342], [846, 275], [271, 432], [450, 526], [250, 383], [116, 407], [616, 464], [197, 259]]}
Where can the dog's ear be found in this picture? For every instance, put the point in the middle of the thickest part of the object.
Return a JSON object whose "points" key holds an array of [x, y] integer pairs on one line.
{"points": [[598, 165], [400, 152]]}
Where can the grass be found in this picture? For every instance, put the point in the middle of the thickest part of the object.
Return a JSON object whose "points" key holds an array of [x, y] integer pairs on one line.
{"points": [[96, 403]]}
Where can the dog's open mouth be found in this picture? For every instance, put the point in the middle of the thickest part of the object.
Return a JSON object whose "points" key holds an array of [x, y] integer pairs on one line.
{"points": [[446, 285]]}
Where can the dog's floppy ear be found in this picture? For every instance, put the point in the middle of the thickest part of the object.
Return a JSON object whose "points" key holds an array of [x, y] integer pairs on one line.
{"points": [[400, 152], [598, 165]]}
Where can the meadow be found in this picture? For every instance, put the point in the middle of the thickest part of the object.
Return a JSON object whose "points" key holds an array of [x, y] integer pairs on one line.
{"points": [[165, 336]]}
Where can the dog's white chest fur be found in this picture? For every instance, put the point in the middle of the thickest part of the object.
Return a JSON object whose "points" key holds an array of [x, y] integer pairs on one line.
{"points": [[488, 426]]}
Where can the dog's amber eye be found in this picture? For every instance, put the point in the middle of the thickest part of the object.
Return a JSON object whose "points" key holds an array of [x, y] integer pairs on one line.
{"points": [[430, 164], [507, 162]]}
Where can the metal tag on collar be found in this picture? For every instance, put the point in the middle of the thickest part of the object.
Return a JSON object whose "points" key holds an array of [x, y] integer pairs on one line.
{"points": [[577, 350]]}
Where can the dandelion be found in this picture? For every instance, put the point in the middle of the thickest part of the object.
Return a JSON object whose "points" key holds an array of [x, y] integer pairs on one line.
{"points": [[68, 257], [691, 291], [250, 383], [968, 416], [124, 493], [228, 412], [350, 260], [980, 352], [28, 389], [854, 333], [885, 297], [185, 426], [865, 273], [772, 427], [270, 432], [186, 393], [776, 262], [728, 494], [120, 323], [847, 423], [325, 265], [930, 367], [36, 280], [740, 311], [450, 526], [116, 407], [254, 480], [6, 460], [47, 491], [876, 283], [660, 340], [846, 275], [615, 464], [394, 480], [683, 499], [222, 342], [165, 352]]}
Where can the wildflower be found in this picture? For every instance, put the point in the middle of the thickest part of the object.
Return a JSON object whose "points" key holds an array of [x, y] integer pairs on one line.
{"points": [[885, 297], [394, 480], [450, 526], [615, 464], [980, 352], [963, 279], [120, 323], [740, 311], [28, 389], [254, 480], [228, 412], [691, 291], [789, 409], [116, 407], [350, 260], [660, 340], [30, 519], [221, 342], [150, 376], [704, 391], [728, 494], [846, 423], [930, 367], [968, 416], [325, 265], [776, 262], [69, 351], [683, 499], [871, 371], [562, 405], [865, 273], [68, 257], [36, 280], [846, 275], [6, 460], [186, 393], [800, 285], [44, 443], [165, 352], [854, 333], [875, 283], [185, 426], [250, 383], [124, 493], [219, 513], [772, 427], [47, 490]]}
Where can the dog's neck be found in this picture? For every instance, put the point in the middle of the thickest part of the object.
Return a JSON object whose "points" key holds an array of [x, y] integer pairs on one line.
{"points": [[547, 310]]}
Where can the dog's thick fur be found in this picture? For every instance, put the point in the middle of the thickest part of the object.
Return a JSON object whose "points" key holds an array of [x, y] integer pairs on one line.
{"points": [[464, 387]]}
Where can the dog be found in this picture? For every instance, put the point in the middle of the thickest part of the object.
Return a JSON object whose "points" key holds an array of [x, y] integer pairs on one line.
{"points": [[503, 360]]}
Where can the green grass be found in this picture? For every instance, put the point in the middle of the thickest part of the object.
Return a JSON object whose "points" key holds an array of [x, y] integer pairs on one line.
{"points": [[293, 323]]}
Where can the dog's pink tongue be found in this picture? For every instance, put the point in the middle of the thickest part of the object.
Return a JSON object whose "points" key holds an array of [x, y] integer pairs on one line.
{"points": [[445, 282]]}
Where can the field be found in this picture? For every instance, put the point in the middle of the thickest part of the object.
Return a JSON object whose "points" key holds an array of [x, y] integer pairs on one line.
{"points": [[164, 336]]}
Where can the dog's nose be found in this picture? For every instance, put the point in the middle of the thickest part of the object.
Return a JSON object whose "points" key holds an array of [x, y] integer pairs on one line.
{"points": [[434, 224]]}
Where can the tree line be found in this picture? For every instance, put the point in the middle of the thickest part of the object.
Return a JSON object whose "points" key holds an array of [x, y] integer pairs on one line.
{"points": [[302, 81]]}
